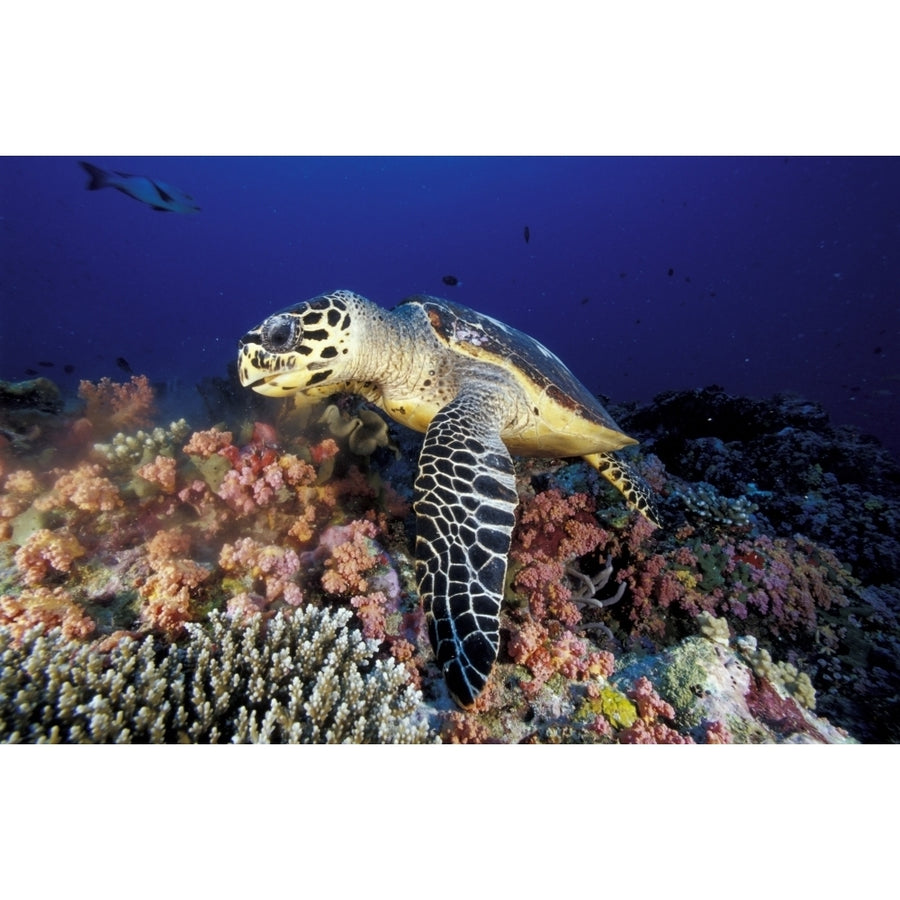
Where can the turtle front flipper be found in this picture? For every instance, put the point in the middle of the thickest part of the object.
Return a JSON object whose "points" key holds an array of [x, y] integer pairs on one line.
{"points": [[465, 501]]}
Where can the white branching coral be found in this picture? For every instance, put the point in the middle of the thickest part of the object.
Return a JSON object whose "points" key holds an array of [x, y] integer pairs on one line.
{"points": [[706, 503], [301, 677], [127, 451]]}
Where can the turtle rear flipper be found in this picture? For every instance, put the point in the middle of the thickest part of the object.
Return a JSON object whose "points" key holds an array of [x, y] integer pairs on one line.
{"points": [[465, 501], [628, 482]]}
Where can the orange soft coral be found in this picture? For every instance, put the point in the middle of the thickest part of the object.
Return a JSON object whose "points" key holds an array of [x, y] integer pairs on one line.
{"points": [[167, 593], [352, 556], [18, 490], [43, 606], [205, 443], [112, 406], [85, 488], [45, 550], [160, 472]]}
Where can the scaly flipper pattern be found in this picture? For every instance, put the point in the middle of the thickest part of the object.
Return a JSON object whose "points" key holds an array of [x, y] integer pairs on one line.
{"points": [[626, 480], [465, 501]]}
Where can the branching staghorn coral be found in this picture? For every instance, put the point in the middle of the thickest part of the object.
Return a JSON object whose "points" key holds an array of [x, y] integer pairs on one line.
{"points": [[301, 677]]}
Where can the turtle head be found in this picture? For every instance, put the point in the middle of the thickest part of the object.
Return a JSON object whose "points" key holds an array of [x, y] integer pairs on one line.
{"points": [[306, 347]]}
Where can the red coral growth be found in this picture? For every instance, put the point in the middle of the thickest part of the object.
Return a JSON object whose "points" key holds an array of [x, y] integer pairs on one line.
{"points": [[43, 606], [160, 472], [324, 450], [718, 733], [552, 532], [45, 550], [781, 714], [84, 488], [651, 707], [463, 728], [532, 646], [656, 733], [113, 407], [257, 473]]}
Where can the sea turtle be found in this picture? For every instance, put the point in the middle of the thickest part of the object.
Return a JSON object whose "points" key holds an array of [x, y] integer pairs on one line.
{"points": [[480, 391]]}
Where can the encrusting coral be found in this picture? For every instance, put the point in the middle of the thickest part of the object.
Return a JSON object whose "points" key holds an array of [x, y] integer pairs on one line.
{"points": [[302, 677]]}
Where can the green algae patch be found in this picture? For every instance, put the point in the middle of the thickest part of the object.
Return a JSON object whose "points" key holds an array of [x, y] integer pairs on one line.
{"points": [[612, 704], [685, 678]]}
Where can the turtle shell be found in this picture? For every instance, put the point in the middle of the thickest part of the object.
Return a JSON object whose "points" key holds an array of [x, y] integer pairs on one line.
{"points": [[557, 396]]}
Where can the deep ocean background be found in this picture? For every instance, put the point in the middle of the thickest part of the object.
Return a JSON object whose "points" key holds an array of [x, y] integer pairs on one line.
{"points": [[642, 274]]}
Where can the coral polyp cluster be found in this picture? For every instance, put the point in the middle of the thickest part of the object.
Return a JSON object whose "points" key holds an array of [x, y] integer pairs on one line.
{"points": [[144, 563]]}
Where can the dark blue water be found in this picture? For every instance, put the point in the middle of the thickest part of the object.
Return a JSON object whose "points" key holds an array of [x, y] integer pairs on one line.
{"points": [[644, 275]]}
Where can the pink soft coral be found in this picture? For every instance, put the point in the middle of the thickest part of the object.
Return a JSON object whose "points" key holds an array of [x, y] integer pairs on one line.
{"points": [[552, 532], [268, 569]]}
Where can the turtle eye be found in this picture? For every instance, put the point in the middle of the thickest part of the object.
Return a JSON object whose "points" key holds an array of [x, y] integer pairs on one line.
{"points": [[281, 333]]}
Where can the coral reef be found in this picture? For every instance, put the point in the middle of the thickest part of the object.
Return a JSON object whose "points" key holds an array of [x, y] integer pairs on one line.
{"points": [[766, 609], [305, 677]]}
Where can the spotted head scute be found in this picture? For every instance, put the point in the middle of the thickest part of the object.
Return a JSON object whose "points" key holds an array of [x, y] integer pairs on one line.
{"points": [[299, 348]]}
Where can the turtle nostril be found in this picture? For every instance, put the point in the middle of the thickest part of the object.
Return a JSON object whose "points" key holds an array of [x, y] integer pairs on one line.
{"points": [[280, 333]]}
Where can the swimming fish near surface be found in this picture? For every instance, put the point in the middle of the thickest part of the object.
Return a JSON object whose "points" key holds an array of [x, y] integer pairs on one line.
{"points": [[156, 194], [451, 280], [527, 233], [124, 365]]}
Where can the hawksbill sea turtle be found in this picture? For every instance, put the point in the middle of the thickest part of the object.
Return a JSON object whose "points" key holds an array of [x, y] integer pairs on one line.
{"points": [[480, 391]]}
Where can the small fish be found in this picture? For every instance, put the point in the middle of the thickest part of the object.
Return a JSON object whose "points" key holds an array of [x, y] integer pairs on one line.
{"points": [[156, 194], [45, 363], [671, 272], [585, 300], [68, 368], [122, 363], [527, 234], [451, 280], [31, 372]]}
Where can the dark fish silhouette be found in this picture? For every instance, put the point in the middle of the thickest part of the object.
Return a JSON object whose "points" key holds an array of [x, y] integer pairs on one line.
{"points": [[671, 272], [45, 363], [122, 363], [450, 280], [31, 372], [527, 234], [68, 368], [156, 194]]}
